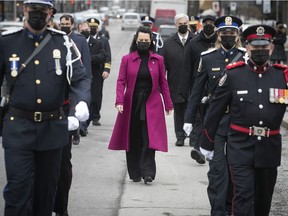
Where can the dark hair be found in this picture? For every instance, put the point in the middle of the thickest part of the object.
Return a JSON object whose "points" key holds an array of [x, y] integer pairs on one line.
{"points": [[143, 29], [67, 17]]}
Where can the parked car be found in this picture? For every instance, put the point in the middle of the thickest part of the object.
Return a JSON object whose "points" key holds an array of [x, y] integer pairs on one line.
{"points": [[166, 31], [130, 21]]}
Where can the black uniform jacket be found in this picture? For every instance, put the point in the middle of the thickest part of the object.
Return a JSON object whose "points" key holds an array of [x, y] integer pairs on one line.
{"points": [[245, 89], [192, 55], [211, 67], [98, 58], [106, 45], [40, 87], [173, 53]]}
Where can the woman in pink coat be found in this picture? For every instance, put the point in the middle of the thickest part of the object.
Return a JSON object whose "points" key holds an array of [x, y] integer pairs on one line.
{"points": [[140, 127]]}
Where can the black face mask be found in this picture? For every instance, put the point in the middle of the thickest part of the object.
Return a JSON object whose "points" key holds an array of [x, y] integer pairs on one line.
{"points": [[259, 57], [66, 29], [183, 29], [143, 46], [86, 34], [37, 20], [228, 41], [208, 29], [93, 31]]}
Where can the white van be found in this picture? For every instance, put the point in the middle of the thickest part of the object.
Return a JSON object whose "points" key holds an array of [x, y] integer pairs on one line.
{"points": [[130, 21]]}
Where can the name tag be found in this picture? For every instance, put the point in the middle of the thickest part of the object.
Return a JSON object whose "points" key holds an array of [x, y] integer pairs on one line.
{"points": [[215, 69], [242, 92]]}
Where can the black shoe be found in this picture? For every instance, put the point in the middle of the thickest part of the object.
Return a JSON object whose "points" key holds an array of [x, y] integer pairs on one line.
{"points": [[64, 214], [147, 179], [76, 139], [198, 156], [179, 142], [137, 179], [83, 132], [96, 123]]}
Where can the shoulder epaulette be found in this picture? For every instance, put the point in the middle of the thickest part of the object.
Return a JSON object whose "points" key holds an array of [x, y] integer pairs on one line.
{"points": [[53, 30], [281, 66], [235, 64], [242, 49], [9, 32], [208, 51]]}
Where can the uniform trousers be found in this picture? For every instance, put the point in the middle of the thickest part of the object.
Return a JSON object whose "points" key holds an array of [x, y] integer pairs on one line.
{"points": [[179, 114], [140, 158], [31, 181], [220, 186], [195, 137], [65, 179], [253, 189], [97, 95]]}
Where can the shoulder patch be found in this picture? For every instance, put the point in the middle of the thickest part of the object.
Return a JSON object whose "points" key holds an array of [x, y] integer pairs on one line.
{"points": [[242, 49], [235, 65], [56, 31], [12, 31], [208, 51], [281, 66]]}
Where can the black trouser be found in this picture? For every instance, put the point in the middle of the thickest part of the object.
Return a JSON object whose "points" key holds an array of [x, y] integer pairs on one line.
{"points": [[220, 185], [195, 138], [140, 158], [32, 179], [65, 179], [179, 113], [253, 190], [98, 95], [94, 114]]}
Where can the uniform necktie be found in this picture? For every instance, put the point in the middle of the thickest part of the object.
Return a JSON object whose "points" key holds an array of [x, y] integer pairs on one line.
{"points": [[183, 41]]}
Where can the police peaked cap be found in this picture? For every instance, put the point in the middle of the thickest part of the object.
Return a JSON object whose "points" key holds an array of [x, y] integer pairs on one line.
{"points": [[208, 17], [194, 20], [43, 2], [229, 22], [93, 22], [147, 19], [259, 35]]}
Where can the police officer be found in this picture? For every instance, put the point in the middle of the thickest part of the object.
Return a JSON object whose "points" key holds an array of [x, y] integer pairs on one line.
{"points": [[194, 24], [34, 127], [94, 24], [200, 43], [257, 95], [157, 40], [213, 62]]}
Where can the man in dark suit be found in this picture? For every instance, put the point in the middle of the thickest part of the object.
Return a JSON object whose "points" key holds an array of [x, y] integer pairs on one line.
{"points": [[65, 178], [106, 67], [98, 58], [35, 128], [173, 53]]}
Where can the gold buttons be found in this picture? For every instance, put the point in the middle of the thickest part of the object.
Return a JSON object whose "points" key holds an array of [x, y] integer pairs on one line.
{"points": [[226, 60], [38, 81], [36, 44], [36, 62], [11, 118], [39, 101]]}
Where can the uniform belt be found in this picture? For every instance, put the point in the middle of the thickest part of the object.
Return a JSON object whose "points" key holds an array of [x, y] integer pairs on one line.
{"points": [[255, 131], [36, 116]]}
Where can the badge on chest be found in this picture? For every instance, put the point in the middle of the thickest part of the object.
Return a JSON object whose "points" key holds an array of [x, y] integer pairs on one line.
{"points": [[57, 57], [14, 65], [278, 95]]}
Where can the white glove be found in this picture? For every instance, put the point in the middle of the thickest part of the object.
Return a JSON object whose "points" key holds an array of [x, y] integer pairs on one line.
{"points": [[187, 127], [73, 123], [208, 154], [81, 111]]}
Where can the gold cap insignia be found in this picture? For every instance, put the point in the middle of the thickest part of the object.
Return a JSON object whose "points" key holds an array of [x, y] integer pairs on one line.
{"points": [[92, 20], [228, 21], [192, 18], [146, 18], [260, 31]]}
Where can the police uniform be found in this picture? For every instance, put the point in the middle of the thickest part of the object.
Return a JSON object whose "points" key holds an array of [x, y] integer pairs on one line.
{"points": [[34, 127], [194, 24], [211, 66], [157, 40], [257, 96], [99, 81]]}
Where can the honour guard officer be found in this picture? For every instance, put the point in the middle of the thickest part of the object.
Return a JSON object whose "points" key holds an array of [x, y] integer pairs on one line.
{"points": [[194, 24], [212, 64], [257, 95], [96, 101], [34, 126], [157, 40]]}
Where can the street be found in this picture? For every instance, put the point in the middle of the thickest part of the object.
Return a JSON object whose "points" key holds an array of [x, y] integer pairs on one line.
{"points": [[101, 186]]}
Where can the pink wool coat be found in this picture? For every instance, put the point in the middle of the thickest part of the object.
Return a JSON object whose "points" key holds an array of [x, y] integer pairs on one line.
{"points": [[157, 133]]}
